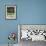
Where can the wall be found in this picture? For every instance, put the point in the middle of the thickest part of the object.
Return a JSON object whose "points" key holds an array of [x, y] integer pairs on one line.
{"points": [[33, 12], [28, 12]]}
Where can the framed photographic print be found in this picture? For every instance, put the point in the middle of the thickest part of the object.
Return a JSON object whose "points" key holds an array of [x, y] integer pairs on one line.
{"points": [[10, 11]]}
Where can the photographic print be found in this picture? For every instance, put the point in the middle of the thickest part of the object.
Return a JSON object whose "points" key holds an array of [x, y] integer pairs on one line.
{"points": [[32, 32], [10, 12]]}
